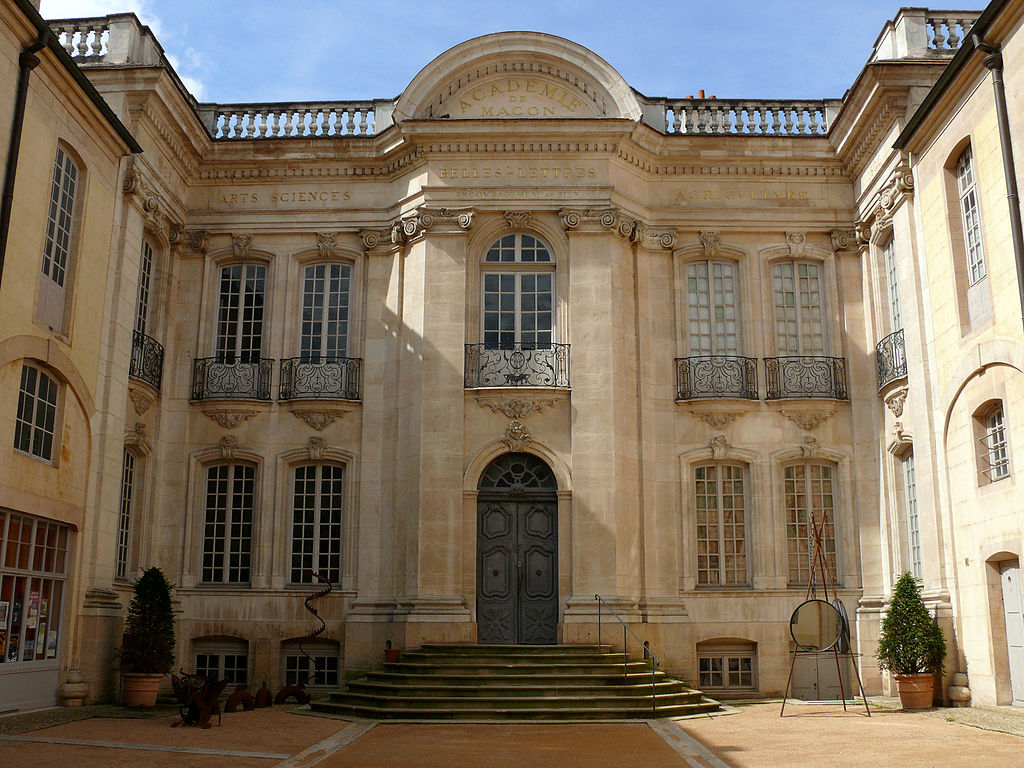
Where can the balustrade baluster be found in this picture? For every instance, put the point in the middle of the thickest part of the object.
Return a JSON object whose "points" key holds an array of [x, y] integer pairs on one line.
{"points": [[365, 121], [952, 38], [69, 36], [801, 125], [83, 45], [940, 35]]}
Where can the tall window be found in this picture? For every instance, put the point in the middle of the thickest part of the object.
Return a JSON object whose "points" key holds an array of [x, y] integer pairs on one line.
{"points": [[57, 250], [325, 303], [913, 521], [33, 571], [711, 290], [721, 525], [810, 505], [227, 526], [240, 313], [37, 413], [891, 285], [796, 287], [970, 217], [145, 277], [994, 446], [518, 294], [318, 504], [124, 518]]}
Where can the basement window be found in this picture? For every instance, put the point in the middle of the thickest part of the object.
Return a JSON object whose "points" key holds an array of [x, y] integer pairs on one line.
{"points": [[727, 666]]}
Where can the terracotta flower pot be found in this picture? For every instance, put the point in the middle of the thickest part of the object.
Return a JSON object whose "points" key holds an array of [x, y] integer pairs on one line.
{"points": [[392, 654], [140, 689], [916, 691]]}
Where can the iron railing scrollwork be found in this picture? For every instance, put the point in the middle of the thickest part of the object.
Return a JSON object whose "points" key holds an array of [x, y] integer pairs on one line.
{"points": [[325, 378], [716, 376], [214, 378], [518, 365], [805, 376], [147, 362], [891, 358]]}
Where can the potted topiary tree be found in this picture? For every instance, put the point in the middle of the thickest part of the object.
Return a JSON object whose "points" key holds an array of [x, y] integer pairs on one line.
{"points": [[911, 646], [147, 645]]}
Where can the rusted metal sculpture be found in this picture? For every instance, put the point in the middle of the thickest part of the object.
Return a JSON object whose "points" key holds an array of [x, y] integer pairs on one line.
{"points": [[264, 698], [198, 698], [298, 688], [241, 696]]}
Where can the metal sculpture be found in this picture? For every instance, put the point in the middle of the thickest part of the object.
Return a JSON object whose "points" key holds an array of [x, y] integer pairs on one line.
{"points": [[241, 696], [298, 688], [198, 698]]}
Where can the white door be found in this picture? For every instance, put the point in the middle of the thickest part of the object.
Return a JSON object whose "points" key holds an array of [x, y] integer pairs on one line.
{"points": [[1009, 575]]}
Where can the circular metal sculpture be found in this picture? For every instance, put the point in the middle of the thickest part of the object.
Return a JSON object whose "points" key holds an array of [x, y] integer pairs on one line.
{"points": [[816, 626]]}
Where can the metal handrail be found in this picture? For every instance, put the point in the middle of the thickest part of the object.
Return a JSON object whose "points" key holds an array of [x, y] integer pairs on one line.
{"points": [[655, 661]]}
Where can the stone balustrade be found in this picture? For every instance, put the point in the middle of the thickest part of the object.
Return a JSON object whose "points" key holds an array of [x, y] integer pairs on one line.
{"points": [[271, 121], [749, 117], [83, 38], [947, 30]]}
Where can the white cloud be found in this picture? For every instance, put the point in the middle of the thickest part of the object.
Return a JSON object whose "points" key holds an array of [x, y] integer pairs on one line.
{"points": [[195, 86]]}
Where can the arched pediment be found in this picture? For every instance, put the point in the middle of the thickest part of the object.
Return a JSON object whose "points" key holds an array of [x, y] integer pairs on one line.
{"points": [[512, 75]]}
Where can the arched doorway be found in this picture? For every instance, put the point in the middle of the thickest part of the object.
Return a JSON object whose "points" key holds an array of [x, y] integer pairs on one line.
{"points": [[517, 552]]}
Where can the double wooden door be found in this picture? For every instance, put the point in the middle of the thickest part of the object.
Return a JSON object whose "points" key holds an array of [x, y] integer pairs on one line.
{"points": [[517, 569]]}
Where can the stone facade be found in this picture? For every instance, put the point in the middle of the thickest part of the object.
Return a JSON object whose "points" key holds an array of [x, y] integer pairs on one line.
{"points": [[347, 337]]}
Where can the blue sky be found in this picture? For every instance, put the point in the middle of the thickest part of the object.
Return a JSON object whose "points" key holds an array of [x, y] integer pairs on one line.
{"points": [[304, 50]]}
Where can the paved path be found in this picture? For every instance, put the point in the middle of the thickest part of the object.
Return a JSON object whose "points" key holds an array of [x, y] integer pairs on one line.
{"points": [[809, 736]]}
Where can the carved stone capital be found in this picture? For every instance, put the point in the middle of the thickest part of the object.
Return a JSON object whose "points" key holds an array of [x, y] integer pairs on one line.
{"points": [[228, 444], [373, 238], [588, 219], [192, 239], [653, 238], [595, 219], [862, 231], [808, 419], [517, 219], [325, 242], [719, 447], [796, 241], [317, 446], [241, 244], [710, 241], [415, 225], [516, 436], [844, 239], [894, 402]]}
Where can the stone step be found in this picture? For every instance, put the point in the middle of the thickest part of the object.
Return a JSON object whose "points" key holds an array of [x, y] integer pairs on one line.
{"points": [[432, 688], [583, 702], [566, 712], [510, 657], [484, 667], [471, 678], [469, 649]]}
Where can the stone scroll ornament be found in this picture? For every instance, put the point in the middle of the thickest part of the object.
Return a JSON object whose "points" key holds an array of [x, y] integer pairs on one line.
{"points": [[298, 689]]}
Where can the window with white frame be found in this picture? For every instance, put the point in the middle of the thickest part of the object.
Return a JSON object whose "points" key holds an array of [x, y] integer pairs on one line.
{"points": [[721, 525], [227, 523], [797, 299], [36, 419], [892, 289], [33, 573], [810, 507], [325, 308], [145, 280], [59, 236], [318, 506], [518, 294], [913, 521], [970, 217], [712, 293], [322, 671], [221, 658], [994, 447], [727, 666], [124, 517], [241, 303]]}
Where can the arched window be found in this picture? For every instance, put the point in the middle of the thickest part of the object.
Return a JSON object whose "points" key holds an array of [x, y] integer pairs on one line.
{"points": [[221, 658], [297, 666], [36, 421], [726, 664], [518, 294], [721, 518], [993, 444]]}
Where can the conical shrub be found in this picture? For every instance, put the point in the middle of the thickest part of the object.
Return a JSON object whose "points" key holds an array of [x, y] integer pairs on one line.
{"points": [[910, 642], [147, 644]]}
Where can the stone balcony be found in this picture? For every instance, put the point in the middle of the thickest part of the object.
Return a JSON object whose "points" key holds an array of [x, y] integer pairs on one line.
{"points": [[891, 359]]}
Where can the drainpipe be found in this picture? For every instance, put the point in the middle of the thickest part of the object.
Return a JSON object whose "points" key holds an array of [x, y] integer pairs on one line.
{"points": [[27, 61], [994, 62]]}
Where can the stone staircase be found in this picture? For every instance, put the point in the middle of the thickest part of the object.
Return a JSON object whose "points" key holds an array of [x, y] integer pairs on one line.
{"points": [[515, 682]]}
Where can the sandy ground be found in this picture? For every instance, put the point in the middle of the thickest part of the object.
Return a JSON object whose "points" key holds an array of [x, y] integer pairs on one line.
{"points": [[809, 736]]}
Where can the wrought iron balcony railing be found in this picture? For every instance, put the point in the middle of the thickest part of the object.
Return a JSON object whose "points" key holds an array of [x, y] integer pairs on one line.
{"points": [[805, 376], [891, 358], [147, 363], [519, 365], [214, 378], [320, 378], [716, 376]]}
